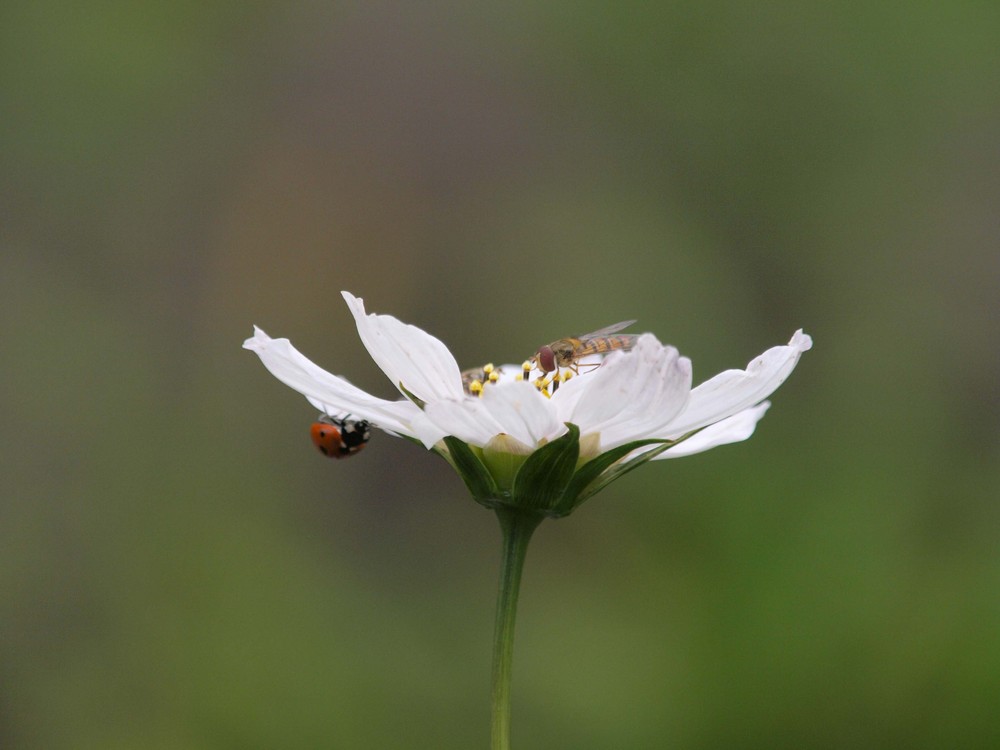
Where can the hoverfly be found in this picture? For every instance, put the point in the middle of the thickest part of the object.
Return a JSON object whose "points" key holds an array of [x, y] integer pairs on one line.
{"points": [[567, 352]]}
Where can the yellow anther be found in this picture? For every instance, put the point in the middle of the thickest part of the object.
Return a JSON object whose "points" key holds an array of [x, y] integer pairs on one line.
{"points": [[493, 375], [488, 369], [476, 388]]}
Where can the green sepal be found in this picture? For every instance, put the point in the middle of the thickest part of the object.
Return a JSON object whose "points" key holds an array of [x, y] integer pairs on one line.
{"points": [[543, 478], [578, 488], [606, 478], [473, 471]]}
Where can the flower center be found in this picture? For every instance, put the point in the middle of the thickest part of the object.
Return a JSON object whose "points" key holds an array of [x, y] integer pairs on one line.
{"points": [[476, 379]]}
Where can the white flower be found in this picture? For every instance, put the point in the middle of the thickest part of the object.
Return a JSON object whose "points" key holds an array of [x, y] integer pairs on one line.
{"points": [[633, 395], [635, 401]]}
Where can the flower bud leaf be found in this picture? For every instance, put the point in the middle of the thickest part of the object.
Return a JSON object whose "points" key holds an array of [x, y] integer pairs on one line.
{"points": [[542, 479], [616, 472], [579, 488], [473, 472]]}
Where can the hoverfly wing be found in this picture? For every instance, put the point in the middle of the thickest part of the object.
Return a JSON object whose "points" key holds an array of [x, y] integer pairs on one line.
{"points": [[606, 331]]}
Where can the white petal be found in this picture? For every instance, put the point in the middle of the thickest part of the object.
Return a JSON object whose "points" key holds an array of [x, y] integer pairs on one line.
{"points": [[733, 391], [295, 370], [424, 429], [632, 395], [732, 430], [407, 354], [522, 411], [508, 408], [467, 419]]}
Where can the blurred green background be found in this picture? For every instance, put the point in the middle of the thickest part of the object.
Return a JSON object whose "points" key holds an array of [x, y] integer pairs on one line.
{"points": [[179, 568]]}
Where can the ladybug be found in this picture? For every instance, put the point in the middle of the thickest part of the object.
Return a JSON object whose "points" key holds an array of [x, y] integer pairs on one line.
{"points": [[339, 437]]}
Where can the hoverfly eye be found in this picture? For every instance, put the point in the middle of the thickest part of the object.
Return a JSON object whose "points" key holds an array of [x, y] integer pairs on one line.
{"points": [[546, 359]]}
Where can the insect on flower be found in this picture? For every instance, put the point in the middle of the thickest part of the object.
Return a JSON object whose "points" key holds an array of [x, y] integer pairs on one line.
{"points": [[567, 352], [340, 437], [475, 378]]}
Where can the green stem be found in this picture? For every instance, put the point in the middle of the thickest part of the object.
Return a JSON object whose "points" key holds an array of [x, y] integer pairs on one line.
{"points": [[517, 529]]}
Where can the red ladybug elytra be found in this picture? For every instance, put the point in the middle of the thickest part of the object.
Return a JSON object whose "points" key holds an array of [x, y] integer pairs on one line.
{"points": [[339, 437]]}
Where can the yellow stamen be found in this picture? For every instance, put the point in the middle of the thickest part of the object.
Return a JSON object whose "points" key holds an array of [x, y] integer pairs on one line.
{"points": [[542, 384]]}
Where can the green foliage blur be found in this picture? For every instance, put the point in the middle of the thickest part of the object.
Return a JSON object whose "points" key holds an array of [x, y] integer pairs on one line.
{"points": [[180, 569]]}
